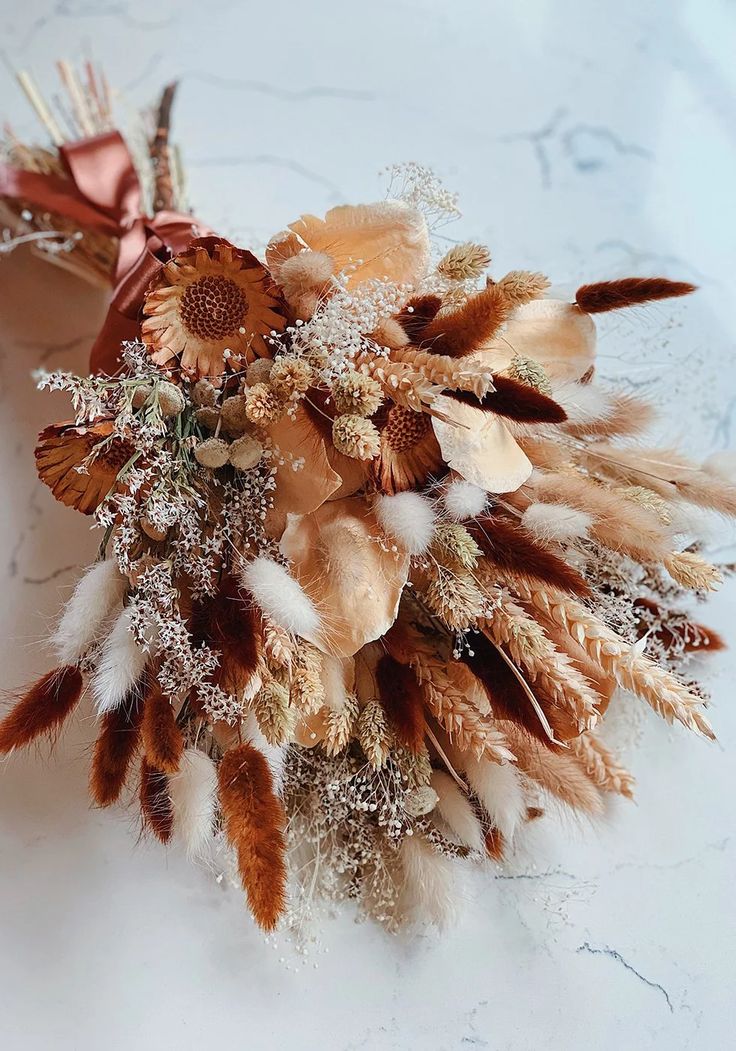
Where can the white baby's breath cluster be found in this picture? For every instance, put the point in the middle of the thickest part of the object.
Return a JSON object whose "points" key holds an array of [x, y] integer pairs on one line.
{"points": [[421, 188]]}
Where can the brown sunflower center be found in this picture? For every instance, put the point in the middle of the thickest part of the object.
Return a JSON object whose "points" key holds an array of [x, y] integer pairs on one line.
{"points": [[213, 307], [404, 428]]}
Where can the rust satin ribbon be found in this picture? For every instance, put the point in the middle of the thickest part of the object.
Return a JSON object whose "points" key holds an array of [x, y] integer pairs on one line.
{"points": [[103, 193]]}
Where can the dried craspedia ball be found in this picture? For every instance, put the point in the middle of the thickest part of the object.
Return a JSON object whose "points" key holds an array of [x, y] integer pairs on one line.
{"points": [[258, 371], [170, 399], [234, 418], [212, 452], [204, 394], [356, 436], [263, 405], [207, 418], [244, 453], [290, 376], [357, 395]]}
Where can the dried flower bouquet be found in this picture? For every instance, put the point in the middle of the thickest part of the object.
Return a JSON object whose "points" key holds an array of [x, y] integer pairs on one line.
{"points": [[377, 552]]}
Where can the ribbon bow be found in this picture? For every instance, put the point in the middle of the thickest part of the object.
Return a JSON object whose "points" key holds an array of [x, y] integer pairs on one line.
{"points": [[103, 193]]}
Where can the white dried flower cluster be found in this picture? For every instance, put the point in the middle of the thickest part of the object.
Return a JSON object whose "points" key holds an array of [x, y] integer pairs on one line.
{"points": [[421, 188]]}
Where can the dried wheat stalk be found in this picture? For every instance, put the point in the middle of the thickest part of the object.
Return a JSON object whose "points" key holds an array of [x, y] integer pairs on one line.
{"points": [[600, 765]]}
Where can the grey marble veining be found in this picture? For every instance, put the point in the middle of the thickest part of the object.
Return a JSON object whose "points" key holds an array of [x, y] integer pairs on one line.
{"points": [[587, 140]]}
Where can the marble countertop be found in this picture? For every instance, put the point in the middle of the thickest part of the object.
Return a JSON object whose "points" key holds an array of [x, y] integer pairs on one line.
{"points": [[587, 140]]}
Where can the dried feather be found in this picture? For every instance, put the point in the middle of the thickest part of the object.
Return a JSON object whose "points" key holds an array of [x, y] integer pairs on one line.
{"points": [[42, 708], [628, 292], [513, 552], [254, 824], [514, 401], [499, 789]]}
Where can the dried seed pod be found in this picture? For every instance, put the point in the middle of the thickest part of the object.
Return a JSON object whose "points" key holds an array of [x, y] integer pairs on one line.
{"points": [[212, 452], [233, 416], [207, 418], [245, 452], [141, 395], [204, 394], [170, 399], [258, 371]]}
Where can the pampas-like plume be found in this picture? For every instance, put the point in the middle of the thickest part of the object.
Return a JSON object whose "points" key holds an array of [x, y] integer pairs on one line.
{"points": [[401, 698], [619, 523], [121, 664], [407, 517], [631, 669], [515, 401], [114, 749], [417, 314], [193, 791], [280, 596], [42, 708], [429, 890], [559, 774], [628, 292], [227, 621], [592, 411], [455, 810], [468, 328], [162, 739], [601, 767], [555, 522], [156, 808], [515, 553], [96, 595], [254, 823]]}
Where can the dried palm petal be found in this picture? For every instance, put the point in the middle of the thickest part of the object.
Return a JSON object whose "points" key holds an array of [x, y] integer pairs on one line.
{"points": [[478, 446], [66, 463], [353, 582], [364, 241]]}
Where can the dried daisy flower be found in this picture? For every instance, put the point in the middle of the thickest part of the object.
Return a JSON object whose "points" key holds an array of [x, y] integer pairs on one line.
{"points": [[290, 377], [244, 453], [212, 452], [207, 306], [519, 286], [525, 370], [464, 262], [356, 437], [263, 405], [453, 543], [357, 395]]}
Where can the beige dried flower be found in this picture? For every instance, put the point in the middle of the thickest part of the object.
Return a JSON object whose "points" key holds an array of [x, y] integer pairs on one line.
{"points": [[690, 570], [307, 688], [357, 437], [276, 718], [454, 597], [204, 394], [277, 646], [207, 418], [170, 399], [245, 452], [356, 395], [464, 262], [521, 286], [525, 370], [290, 376], [258, 371], [374, 734], [141, 394], [263, 405], [233, 413], [339, 726], [452, 543], [212, 452]]}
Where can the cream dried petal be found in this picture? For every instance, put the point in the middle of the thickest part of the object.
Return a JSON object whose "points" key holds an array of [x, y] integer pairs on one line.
{"points": [[478, 446]]}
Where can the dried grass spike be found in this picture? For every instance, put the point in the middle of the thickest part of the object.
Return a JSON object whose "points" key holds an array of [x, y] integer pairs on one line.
{"points": [[42, 708], [628, 292], [156, 807], [114, 750], [162, 738]]}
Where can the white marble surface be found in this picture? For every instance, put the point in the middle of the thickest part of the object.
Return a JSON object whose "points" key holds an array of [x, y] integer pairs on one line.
{"points": [[586, 139]]}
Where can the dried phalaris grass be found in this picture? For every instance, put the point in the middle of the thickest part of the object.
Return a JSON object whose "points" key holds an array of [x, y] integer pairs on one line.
{"points": [[464, 262], [691, 570]]}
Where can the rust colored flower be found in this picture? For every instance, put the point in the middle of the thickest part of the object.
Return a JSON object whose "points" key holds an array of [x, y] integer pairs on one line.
{"points": [[210, 307], [67, 464]]}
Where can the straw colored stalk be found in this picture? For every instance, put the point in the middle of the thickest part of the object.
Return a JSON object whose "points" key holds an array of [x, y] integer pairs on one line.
{"points": [[445, 371], [601, 766], [447, 689], [527, 643], [635, 672], [401, 382]]}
